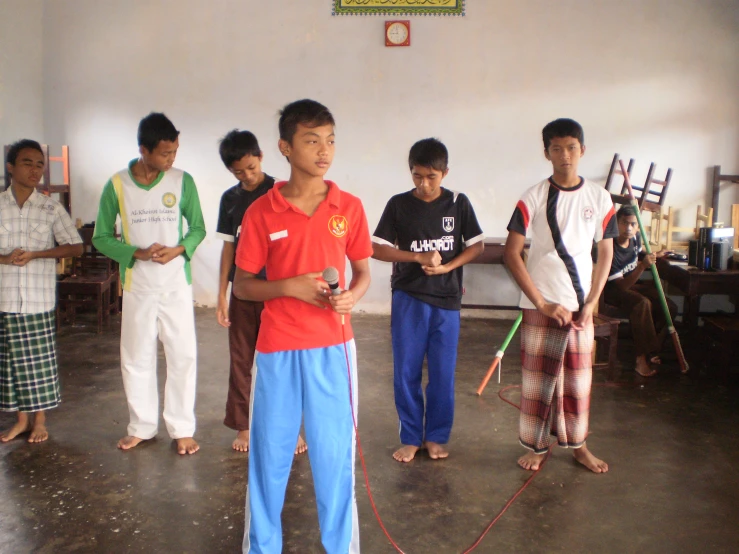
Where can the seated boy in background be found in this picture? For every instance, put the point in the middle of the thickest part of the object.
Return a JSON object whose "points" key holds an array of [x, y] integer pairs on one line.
{"points": [[640, 299]]}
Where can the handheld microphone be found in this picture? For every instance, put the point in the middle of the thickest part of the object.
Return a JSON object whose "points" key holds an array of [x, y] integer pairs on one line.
{"points": [[331, 276]]}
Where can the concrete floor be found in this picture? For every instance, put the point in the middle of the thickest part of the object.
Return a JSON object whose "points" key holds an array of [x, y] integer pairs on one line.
{"points": [[671, 444]]}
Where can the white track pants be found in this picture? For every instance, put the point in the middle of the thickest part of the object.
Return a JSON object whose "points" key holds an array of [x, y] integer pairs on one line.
{"points": [[170, 317]]}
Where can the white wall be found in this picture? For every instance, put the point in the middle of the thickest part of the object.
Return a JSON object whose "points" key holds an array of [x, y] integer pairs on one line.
{"points": [[21, 75], [656, 80]]}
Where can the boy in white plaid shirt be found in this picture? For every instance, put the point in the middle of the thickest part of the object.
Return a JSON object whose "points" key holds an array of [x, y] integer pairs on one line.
{"points": [[31, 225]]}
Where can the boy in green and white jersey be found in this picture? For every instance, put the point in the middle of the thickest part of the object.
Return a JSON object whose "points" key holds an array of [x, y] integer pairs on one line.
{"points": [[151, 199]]}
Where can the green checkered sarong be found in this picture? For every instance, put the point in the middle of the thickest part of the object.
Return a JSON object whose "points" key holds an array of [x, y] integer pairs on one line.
{"points": [[29, 381]]}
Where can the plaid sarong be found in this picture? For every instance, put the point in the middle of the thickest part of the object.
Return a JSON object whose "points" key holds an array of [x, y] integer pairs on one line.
{"points": [[29, 381], [557, 371]]}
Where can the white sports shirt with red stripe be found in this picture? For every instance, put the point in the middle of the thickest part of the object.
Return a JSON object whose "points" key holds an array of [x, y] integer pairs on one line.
{"points": [[562, 225]]}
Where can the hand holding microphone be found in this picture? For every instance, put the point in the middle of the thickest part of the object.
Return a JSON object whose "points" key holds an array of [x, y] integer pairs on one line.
{"points": [[342, 301]]}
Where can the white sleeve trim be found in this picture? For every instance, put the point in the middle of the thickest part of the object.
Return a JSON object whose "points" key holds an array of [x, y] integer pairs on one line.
{"points": [[615, 276], [378, 240], [474, 240], [225, 237]]}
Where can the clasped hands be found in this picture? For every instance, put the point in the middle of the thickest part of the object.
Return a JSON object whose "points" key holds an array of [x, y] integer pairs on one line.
{"points": [[158, 253], [19, 257], [431, 263]]}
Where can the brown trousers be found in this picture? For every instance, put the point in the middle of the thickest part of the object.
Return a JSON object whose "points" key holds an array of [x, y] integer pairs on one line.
{"points": [[646, 316], [245, 318]]}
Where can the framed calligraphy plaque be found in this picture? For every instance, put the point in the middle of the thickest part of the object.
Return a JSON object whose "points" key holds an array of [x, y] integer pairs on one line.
{"points": [[397, 7]]}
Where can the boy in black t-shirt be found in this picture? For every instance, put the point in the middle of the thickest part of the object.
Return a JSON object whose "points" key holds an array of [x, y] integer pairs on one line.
{"points": [[429, 233], [242, 156], [639, 298]]}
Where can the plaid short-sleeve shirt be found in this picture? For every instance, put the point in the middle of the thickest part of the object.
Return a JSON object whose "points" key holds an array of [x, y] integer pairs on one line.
{"points": [[40, 224]]}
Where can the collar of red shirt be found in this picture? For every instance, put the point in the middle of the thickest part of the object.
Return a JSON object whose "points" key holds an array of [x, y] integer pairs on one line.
{"points": [[279, 204]]}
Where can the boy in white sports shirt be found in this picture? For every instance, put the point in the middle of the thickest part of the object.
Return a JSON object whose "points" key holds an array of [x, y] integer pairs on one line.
{"points": [[152, 198], [563, 215]]}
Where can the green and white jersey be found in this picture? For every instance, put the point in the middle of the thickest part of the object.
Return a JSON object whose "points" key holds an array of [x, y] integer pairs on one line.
{"points": [[150, 214]]}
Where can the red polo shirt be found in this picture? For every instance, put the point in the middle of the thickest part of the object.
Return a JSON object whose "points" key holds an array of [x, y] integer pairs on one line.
{"points": [[283, 239]]}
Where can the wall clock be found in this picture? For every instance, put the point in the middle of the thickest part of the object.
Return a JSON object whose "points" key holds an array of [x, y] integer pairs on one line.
{"points": [[398, 33]]}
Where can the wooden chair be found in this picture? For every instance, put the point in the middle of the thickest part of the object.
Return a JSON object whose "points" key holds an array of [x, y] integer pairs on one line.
{"points": [[654, 192], [616, 170], [94, 283], [703, 220], [719, 178], [663, 223], [735, 224], [651, 197]]}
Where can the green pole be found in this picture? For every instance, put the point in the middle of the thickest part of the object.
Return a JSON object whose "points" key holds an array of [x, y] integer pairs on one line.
{"points": [[499, 354]]}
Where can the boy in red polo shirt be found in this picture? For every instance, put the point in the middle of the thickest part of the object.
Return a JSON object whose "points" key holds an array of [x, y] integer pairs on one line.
{"points": [[295, 231]]}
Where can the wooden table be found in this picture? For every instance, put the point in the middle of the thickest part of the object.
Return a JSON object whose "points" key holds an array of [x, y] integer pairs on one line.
{"points": [[694, 283], [99, 291], [493, 254]]}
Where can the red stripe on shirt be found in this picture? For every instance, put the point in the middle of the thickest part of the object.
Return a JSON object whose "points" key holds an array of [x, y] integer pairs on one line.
{"points": [[607, 219], [524, 212]]}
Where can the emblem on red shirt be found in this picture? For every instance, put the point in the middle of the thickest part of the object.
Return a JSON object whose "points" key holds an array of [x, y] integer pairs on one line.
{"points": [[338, 226]]}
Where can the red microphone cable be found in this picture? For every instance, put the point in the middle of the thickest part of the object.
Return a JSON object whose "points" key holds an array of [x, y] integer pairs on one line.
{"points": [[366, 475]]}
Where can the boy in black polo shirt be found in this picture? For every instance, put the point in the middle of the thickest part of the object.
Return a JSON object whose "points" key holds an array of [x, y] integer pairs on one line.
{"points": [[429, 233], [242, 156]]}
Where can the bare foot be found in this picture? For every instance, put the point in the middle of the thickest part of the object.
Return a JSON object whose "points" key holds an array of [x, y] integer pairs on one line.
{"points": [[128, 442], [531, 461], [436, 450], [241, 442], [23, 425], [38, 433], [584, 456], [301, 446], [187, 445], [656, 360], [642, 367], [406, 453]]}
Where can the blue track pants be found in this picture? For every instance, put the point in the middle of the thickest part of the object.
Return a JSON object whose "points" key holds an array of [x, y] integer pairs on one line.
{"points": [[420, 330], [312, 385]]}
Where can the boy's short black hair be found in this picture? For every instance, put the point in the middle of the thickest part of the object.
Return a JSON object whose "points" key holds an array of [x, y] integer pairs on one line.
{"points": [[237, 144], [303, 112], [155, 128], [625, 211], [16, 147], [561, 128], [429, 152]]}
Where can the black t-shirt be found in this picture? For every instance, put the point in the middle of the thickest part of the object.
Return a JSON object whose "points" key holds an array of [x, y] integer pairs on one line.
{"points": [[625, 259], [234, 203], [448, 224]]}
